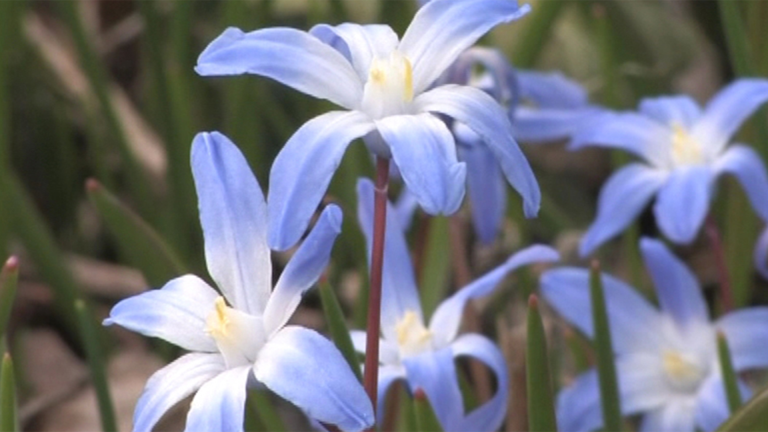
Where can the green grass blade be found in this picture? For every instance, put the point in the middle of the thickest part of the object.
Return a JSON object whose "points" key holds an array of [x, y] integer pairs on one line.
{"points": [[9, 420], [8, 283], [606, 368], [729, 375], [752, 417], [435, 272], [96, 366], [266, 411], [425, 415], [337, 327], [541, 405]]}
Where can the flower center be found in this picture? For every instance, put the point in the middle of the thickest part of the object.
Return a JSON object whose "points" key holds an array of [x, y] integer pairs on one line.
{"points": [[389, 89], [684, 372], [412, 337], [685, 150], [238, 335]]}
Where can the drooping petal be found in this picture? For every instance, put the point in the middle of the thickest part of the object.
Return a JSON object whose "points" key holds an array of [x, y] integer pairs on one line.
{"points": [[490, 415], [219, 405], [307, 370], [303, 169], [725, 112], [622, 198], [303, 270], [358, 43], [678, 290], [234, 219], [540, 125], [683, 202], [578, 405], [398, 284], [443, 29], [289, 56], [435, 373], [444, 323], [681, 110], [711, 403], [675, 416], [388, 352], [747, 333], [551, 90], [173, 383], [760, 256], [747, 166], [175, 313], [634, 323], [486, 191], [635, 133], [424, 151], [488, 119]]}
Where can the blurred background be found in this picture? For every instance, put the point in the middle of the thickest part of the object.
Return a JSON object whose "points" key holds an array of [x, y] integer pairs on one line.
{"points": [[99, 103]]}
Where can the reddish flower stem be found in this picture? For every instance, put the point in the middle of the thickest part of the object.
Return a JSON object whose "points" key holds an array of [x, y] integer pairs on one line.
{"points": [[713, 235], [371, 377]]}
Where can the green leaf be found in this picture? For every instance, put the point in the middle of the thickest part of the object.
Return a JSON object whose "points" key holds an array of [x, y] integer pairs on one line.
{"points": [[729, 375], [96, 366], [752, 417], [337, 326], [426, 420], [9, 420], [435, 271], [8, 283], [606, 368], [262, 404], [541, 406], [140, 244]]}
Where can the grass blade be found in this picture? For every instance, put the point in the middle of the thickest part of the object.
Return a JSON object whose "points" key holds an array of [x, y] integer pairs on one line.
{"points": [[425, 416], [337, 327], [9, 420], [8, 283], [752, 417], [729, 375], [541, 406]]}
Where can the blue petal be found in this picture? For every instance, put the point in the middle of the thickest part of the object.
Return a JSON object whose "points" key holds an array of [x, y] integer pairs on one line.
{"points": [[289, 56], [219, 405], [622, 198], [303, 169], [303, 270], [399, 294], [678, 290], [424, 151], [175, 313], [643, 384], [747, 333], [760, 256], [540, 125], [683, 203], [725, 112], [443, 29], [682, 111], [676, 416], [635, 133], [633, 321], [234, 219], [490, 415], [502, 80], [172, 384], [578, 405], [358, 43], [747, 166], [551, 90], [435, 373], [487, 192], [488, 119], [444, 323], [711, 403], [307, 370]]}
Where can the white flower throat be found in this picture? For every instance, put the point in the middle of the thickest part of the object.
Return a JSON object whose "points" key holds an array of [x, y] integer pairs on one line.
{"points": [[412, 337], [684, 372], [238, 335], [389, 88], [685, 150]]}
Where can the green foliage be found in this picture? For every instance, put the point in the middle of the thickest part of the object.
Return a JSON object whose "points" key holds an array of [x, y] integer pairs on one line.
{"points": [[541, 405]]}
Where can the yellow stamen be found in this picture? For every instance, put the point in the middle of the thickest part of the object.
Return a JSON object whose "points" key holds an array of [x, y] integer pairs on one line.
{"points": [[408, 91], [682, 372], [218, 322], [684, 149], [412, 336]]}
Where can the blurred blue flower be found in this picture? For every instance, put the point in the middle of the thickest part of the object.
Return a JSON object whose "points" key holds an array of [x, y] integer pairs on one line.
{"points": [[384, 83], [238, 337], [424, 356], [666, 360], [685, 150], [760, 256]]}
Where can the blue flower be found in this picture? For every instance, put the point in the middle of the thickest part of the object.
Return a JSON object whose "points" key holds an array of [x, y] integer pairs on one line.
{"points": [[685, 150], [760, 255], [666, 360], [424, 356], [384, 83], [239, 337]]}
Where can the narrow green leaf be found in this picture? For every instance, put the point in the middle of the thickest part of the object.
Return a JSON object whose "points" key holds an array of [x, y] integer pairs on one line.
{"points": [[536, 32], [266, 411], [8, 278], [435, 271], [426, 420], [729, 375], [9, 420], [606, 368], [541, 405], [140, 244], [752, 417], [736, 36], [337, 327], [96, 366]]}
